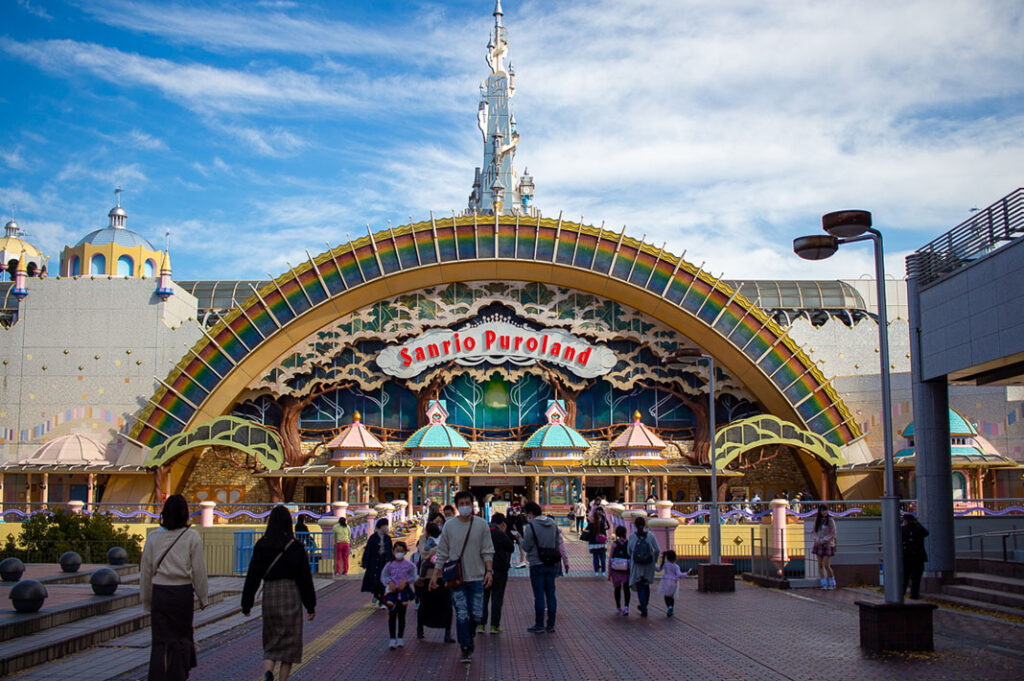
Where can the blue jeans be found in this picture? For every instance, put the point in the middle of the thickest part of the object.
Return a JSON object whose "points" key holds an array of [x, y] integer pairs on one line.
{"points": [[468, 602], [542, 579], [600, 559], [643, 594]]}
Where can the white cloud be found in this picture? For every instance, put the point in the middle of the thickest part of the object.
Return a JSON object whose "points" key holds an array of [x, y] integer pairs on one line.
{"points": [[408, 37], [34, 9], [126, 175], [276, 142], [13, 159], [143, 140]]}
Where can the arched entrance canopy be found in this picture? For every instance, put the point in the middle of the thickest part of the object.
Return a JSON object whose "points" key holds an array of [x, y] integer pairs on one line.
{"points": [[261, 443], [208, 380], [764, 429]]}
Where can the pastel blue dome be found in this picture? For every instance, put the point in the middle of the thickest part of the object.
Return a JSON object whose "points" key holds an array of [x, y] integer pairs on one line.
{"points": [[958, 426], [115, 235], [436, 436], [556, 436]]}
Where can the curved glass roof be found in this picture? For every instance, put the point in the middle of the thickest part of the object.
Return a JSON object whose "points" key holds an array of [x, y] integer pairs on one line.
{"points": [[799, 294], [220, 294]]}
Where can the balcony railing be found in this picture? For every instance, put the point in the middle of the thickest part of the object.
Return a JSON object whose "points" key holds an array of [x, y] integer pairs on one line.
{"points": [[984, 232]]}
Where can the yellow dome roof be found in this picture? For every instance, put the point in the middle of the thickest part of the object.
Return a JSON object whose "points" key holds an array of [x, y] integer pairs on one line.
{"points": [[13, 244]]}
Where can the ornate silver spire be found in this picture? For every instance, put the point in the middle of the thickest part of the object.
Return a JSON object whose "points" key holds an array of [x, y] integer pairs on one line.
{"points": [[496, 185]]}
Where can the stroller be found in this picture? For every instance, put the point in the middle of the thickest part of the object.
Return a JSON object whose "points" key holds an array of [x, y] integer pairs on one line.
{"points": [[435, 606]]}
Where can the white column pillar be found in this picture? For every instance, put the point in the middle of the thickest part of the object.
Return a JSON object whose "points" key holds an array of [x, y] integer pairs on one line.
{"points": [[206, 513], [90, 492]]}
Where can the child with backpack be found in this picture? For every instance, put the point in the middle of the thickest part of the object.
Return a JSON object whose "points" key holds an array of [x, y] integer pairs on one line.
{"points": [[669, 585], [398, 577], [618, 571], [643, 554]]}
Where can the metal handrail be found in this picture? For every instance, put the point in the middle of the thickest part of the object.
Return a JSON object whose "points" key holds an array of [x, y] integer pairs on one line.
{"points": [[984, 232]]}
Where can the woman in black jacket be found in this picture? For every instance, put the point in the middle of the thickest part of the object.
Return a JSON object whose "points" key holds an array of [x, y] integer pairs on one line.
{"points": [[376, 555], [279, 562], [494, 595]]}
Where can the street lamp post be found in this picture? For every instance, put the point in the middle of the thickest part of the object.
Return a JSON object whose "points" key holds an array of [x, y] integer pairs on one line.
{"points": [[844, 227], [715, 530]]}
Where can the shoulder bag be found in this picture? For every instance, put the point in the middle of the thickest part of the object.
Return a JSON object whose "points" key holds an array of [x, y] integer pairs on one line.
{"points": [[270, 567], [160, 562], [451, 572]]}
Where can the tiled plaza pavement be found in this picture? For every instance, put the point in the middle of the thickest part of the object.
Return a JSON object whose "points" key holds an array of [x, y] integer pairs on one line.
{"points": [[751, 634], [754, 633]]}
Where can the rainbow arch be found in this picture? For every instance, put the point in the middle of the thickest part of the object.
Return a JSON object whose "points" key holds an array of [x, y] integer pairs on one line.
{"points": [[206, 382]]}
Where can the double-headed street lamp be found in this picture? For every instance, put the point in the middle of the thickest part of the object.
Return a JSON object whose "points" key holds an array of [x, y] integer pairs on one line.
{"points": [[846, 227]]}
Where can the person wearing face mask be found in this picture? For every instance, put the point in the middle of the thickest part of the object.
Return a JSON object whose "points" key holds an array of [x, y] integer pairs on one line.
{"points": [[467, 539], [376, 555], [545, 549], [398, 576]]}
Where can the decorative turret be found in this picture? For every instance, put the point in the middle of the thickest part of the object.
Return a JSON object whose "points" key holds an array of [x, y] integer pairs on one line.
{"points": [[114, 250], [496, 186], [638, 443], [20, 275], [437, 443], [164, 289], [354, 444], [13, 246], [555, 443]]}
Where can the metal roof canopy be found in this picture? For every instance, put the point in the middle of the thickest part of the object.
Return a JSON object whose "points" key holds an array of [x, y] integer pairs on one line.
{"points": [[488, 469]]}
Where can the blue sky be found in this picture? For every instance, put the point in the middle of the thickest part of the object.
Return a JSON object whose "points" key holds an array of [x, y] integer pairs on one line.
{"points": [[253, 131]]}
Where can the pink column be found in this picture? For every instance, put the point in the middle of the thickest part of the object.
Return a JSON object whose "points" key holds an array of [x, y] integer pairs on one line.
{"points": [[206, 513], [664, 509], [664, 530], [780, 555], [340, 508], [90, 492], [45, 488]]}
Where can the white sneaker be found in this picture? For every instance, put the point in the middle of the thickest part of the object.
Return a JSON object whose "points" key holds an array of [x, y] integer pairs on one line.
{"points": [[393, 643], [401, 643]]}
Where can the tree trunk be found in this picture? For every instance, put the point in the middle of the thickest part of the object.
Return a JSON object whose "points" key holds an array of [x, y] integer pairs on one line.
{"points": [[274, 489], [291, 440], [426, 394], [699, 407], [566, 394]]}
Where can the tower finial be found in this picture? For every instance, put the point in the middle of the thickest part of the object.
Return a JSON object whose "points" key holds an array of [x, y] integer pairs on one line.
{"points": [[117, 195], [497, 187]]}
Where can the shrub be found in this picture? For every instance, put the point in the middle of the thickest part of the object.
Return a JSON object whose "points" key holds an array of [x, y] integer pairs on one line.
{"points": [[45, 536]]}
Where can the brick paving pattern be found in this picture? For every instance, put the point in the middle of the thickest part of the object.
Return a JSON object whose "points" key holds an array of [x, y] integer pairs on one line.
{"points": [[754, 633]]}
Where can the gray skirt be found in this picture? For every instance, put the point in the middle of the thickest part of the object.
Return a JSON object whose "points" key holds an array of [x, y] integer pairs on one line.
{"points": [[282, 621]]}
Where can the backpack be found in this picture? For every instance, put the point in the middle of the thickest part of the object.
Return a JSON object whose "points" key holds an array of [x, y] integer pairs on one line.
{"points": [[549, 555], [642, 552]]}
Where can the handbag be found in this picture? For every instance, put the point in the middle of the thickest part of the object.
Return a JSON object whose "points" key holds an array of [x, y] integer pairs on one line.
{"points": [[451, 572], [619, 564], [271, 567]]}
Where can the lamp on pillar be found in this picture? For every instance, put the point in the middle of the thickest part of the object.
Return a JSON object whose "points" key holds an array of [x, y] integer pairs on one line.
{"points": [[883, 626], [713, 575]]}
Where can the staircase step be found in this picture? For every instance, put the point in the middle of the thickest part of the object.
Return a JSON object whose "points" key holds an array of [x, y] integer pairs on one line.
{"points": [[984, 595], [976, 605], [61, 612], [59, 641], [989, 581], [124, 571]]}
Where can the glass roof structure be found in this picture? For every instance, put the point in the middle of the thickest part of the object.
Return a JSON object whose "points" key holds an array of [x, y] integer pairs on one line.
{"points": [[784, 300]]}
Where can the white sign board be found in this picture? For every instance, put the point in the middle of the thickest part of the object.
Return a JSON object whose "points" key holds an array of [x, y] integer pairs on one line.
{"points": [[496, 343]]}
